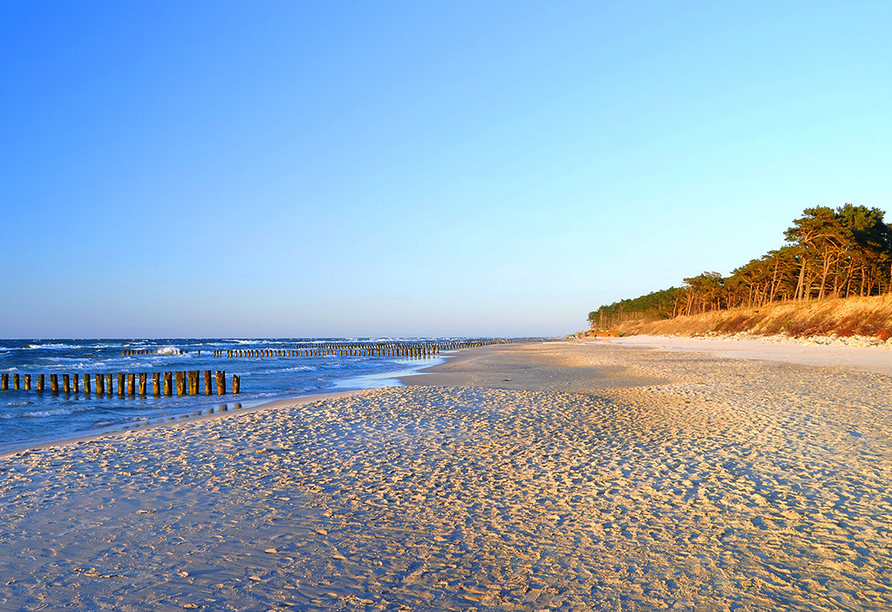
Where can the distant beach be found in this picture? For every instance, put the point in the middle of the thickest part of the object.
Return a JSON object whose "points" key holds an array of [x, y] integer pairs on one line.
{"points": [[563, 475]]}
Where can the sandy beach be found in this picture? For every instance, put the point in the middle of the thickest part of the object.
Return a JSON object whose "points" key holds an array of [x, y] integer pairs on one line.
{"points": [[598, 475]]}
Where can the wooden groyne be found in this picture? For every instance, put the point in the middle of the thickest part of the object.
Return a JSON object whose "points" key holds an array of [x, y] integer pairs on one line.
{"points": [[128, 384], [161, 351], [410, 350]]}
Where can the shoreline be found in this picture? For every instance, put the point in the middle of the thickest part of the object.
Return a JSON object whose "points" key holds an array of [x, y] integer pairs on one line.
{"points": [[876, 359], [216, 413], [558, 475], [114, 431]]}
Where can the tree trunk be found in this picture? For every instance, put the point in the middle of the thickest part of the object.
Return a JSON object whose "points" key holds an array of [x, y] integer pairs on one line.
{"points": [[824, 272], [800, 286], [774, 282]]}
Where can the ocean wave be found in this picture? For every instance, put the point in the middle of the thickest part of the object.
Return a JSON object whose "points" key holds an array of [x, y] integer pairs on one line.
{"points": [[168, 350], [37, 414], [249, 374], [68, 362], [61, 365], [54, 346]]}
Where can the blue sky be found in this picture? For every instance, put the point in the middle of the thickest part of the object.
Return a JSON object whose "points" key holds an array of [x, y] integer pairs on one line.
{"points": [[415, 168]]}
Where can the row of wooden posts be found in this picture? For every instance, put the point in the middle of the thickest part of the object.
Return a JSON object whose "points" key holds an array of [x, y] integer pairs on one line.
{"points": [[361, 349], [187, 383]]}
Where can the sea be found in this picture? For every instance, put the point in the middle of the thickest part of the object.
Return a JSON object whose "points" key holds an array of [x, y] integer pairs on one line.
{"points": [[32, 417]]}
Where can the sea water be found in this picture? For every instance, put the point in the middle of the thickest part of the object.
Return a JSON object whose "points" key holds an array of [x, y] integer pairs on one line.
{"points": [[31, 417]]}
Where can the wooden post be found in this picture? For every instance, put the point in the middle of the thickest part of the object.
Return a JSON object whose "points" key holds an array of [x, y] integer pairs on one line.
{"points": [[121, 383], [54, 383], [168, 384], [74, 381], [156, 383], [181, 383], [66, 383], [87, 384], [193, 382], [4, 381], [100, 384], [207, 383], [142, 383], [236, 383], [221, 382], [109, 389], [40, 382], [16, 380], [131, 384]]}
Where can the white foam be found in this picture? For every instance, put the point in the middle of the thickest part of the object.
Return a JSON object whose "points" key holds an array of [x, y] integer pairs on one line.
{"points": [[37, 414], [53, 346], [168, 350]]}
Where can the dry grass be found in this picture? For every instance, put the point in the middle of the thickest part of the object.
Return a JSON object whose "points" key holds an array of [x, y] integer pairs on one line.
{"points": [[870, 316]]}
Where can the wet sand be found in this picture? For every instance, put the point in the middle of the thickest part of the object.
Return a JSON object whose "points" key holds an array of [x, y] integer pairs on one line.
{"points": [[566, 476]]}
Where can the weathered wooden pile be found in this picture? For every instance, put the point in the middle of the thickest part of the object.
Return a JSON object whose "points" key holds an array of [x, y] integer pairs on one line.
{"points": [[416, 350], [187, 383]]}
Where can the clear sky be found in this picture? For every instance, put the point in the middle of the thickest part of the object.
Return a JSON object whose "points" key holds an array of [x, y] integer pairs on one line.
{"points": [[415, 168]]}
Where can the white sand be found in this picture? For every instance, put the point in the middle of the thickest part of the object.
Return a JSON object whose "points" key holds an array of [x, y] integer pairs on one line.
{"points": [[679, 481], [823, 352]]}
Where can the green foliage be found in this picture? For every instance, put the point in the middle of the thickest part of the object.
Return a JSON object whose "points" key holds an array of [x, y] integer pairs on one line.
{"points": [[830, 253], [657, 305]]}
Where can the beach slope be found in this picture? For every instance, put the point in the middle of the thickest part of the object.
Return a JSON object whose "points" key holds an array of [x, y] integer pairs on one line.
{"points": [[566, 476]]}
